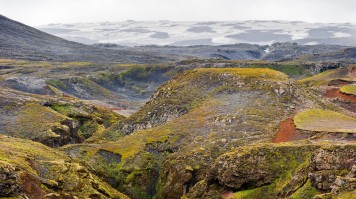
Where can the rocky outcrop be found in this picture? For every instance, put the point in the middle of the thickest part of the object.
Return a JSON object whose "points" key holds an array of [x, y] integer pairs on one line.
{"points": [[286, 170], [325, 164], [9, 180], [34, 171], [52, 121]]}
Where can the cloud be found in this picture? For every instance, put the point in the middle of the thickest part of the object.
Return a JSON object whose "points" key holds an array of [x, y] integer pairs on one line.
{"points": [[38, 12]]}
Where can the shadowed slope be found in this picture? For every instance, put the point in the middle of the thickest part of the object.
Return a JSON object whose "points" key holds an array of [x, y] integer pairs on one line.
{"points": [[24, 42]]}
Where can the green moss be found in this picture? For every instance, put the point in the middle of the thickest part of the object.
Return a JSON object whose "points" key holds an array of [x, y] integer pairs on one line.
{"points": [[325, 121], [348, 89], [57, 84], [138, 73], [306, 191], [89, 128], [346, 195], [257, 193], [36, 121], [56, 91], [65, 109], [339, 74], [319, 79], [257, 73], [132, 175], [138, 89], [47, 167], [289, 69]]}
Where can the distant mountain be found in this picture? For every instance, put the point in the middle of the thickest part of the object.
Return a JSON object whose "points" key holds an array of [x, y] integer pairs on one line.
{"points": [[137, 33], [24, 42]]}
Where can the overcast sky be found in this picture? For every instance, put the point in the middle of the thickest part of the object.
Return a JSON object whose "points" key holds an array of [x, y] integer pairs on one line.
{"points": [[41, 12]]}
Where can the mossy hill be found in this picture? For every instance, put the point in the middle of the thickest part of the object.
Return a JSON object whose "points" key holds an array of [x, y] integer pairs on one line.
{"points": [[189, 122], [52, 121], [32, 170], [338, 85], [289, 170]]}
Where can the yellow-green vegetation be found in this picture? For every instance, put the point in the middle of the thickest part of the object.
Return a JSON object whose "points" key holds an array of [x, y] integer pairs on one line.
{"points": [[50, 120], [319, 79], [131, 145], [41, 170], [75, 64], [56, 91], [35, 121], [187, 90], [341, 74], [246, 73], [306, 191], [214, 103], [285, 170], [93, 120], [325, 121], [292, 70], [347, 195], [189, 121], [348, 89]]}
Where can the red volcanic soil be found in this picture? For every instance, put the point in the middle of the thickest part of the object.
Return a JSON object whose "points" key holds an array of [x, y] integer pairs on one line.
{"points": [[287, 132], [335, 93], [31, 186], [227, 194]]}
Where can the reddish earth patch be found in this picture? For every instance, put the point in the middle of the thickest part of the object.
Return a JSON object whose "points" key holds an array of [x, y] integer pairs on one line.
{"points": [[287, 132], [335, 93], [30, 186], [227, 194]]}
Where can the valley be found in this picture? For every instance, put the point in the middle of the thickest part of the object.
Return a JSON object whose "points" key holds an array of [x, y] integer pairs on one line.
{"points": [[226, 121]]}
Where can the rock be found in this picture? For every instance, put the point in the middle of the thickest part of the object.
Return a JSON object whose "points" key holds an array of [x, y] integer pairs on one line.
{"points": [[327, 169], [9, 180]]}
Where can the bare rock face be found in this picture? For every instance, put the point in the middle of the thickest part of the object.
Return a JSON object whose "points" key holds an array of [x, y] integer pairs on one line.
{"points": [[9, 180], [325, 164]]}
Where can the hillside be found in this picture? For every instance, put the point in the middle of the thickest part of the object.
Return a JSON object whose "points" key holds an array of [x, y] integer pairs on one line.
{"points": [[192, 120], [20, 41], [94, 122], [32, 170], [120, 87]]}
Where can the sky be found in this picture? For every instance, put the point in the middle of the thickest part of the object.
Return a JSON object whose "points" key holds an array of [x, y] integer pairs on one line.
{"points": [[42, 12]]}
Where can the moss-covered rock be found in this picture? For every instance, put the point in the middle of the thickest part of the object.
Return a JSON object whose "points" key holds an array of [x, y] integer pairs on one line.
{"points": [[50, 120], [32, 170], [288, 170], [190, 121]]}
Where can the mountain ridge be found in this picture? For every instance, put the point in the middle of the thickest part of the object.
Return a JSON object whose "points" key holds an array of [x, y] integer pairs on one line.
{"points": [[20, 41], [188, 33]]}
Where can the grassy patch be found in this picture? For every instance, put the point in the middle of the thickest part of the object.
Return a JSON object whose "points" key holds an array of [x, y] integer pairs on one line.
{"points": [[325, 121], [291, 70], [306, 191], [57, 84], [64, 109], [35, 121], [349, 89], [258, 73]]}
